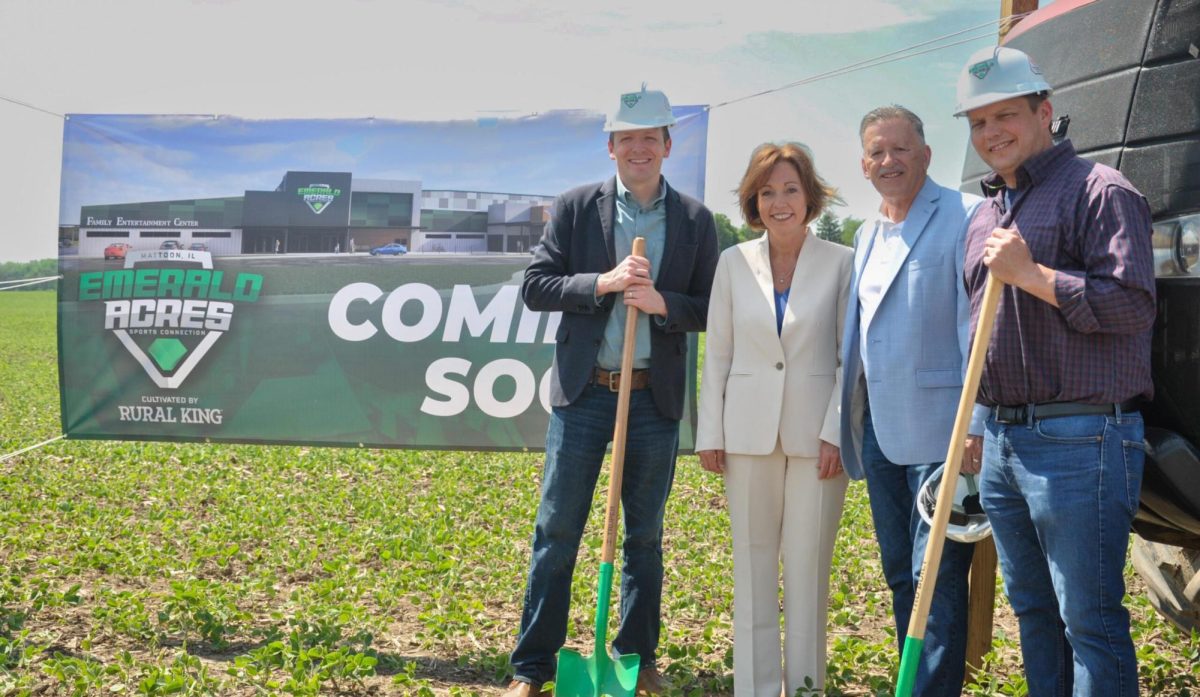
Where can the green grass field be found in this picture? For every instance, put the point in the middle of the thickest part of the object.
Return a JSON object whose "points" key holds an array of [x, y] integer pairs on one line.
{"points": [[146, 568]]}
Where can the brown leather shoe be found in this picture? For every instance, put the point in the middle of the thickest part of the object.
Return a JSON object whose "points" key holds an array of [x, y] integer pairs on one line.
{"points": [[516, 688], [651, 682]]}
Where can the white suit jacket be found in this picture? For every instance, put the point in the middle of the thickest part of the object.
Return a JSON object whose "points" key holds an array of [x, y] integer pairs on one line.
{"points": [[759, 387], [917, 349]]}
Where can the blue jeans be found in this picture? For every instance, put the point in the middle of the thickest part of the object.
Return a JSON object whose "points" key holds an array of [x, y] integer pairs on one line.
{"points": [[1060, 494], [576, 441], [902, 537]]}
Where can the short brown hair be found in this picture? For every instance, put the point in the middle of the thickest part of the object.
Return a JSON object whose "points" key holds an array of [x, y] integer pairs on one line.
{"points": [[762, 161], [666, 134], [1035, 100]]}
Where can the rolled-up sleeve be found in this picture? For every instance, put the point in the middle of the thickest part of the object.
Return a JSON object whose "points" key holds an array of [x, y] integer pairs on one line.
{"points": [[1114, 294]]}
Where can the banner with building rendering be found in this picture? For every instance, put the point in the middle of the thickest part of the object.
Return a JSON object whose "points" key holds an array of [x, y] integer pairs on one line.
{"points": [[329, 282]]}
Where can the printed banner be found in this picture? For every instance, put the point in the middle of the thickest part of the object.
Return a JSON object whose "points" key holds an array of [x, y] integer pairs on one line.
{"points": [[326, 282]]}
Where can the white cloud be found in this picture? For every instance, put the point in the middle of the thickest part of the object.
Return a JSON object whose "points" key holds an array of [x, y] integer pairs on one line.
{"points": [[679, 17], [433, 59]]}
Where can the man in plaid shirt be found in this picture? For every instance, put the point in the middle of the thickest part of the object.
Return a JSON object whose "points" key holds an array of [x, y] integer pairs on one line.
{"points": [[1068, 362]]}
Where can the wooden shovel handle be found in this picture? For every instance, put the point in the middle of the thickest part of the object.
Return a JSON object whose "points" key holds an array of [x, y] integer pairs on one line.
{"points": [[620, 432], [966, 403]]}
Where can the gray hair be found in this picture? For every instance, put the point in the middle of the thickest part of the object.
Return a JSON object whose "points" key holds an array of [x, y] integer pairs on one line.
{"points": [[886, 113]]}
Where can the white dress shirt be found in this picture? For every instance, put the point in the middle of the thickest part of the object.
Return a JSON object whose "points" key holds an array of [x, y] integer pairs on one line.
{"points": [[888, 243]]}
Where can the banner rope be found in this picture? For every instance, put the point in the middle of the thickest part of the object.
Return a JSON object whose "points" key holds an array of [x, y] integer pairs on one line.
{"points": [[22, 282], [31, 106], [885, 58], [32, 447], [882, 59]]}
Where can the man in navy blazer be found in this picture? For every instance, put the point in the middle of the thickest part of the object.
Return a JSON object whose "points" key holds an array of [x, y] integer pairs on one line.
{"points": [[904, 353], [584, 268]]}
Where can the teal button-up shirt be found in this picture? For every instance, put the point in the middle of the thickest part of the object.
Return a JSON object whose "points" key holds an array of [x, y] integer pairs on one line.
{"points": [[632, 221]]}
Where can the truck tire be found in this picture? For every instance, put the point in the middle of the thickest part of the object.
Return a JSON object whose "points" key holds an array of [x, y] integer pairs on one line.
{"points": [[1172, 578]]}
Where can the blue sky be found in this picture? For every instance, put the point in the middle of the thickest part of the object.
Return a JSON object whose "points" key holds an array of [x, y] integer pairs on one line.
{"points": [[424, 60], [129, 158]]}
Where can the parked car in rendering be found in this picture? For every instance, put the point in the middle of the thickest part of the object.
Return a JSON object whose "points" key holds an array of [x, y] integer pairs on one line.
{"points": [[198, 247], [117, 250], [170, 244], [395, 249]]}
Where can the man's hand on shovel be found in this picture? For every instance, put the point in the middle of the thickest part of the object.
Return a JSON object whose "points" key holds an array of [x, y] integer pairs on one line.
{"points": [[1009, 260], [633, 280], [646, 298]]}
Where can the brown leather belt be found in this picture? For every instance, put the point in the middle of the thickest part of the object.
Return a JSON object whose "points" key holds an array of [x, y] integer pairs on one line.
{"points": [[1022, 413], [640, 379]]}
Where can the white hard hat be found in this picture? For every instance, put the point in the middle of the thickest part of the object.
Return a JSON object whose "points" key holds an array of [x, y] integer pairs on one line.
{"points": [[968, 523], [644, 109], [997, 73]]}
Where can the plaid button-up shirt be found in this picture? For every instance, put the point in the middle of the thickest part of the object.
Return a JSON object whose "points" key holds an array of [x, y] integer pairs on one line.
{"points": [[1088, 223]]}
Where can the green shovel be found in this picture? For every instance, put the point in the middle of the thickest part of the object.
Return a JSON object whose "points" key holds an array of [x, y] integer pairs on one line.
{"points": [[599, 674]]}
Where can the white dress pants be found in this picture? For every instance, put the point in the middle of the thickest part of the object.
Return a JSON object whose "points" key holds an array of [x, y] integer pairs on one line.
{"points": [[778, 509]]}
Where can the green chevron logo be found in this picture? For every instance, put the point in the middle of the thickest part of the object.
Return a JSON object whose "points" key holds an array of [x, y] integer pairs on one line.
{"points": [[982, 68], [168, 318], [318, 196]]}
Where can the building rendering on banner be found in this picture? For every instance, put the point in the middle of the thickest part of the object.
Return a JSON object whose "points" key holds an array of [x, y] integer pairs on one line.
{"points": [[322, 213]]}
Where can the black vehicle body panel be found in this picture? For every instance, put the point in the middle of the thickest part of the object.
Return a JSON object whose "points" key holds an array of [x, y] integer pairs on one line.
{"points": [[1127, 73]]}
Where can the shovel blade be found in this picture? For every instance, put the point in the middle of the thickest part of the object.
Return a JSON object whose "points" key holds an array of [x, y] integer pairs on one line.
{"points": [[595, 676]]}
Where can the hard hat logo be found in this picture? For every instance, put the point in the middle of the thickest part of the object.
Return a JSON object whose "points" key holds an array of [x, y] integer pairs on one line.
{"points": [[982, 68], [997, 73], [644, 109]]}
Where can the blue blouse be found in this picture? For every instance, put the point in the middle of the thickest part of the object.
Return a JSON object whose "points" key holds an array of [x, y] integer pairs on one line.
{"points": [[781, 299]]}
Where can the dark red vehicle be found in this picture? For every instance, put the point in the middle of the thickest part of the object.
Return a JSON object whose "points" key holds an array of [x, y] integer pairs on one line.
{"points": [[117, 250]]}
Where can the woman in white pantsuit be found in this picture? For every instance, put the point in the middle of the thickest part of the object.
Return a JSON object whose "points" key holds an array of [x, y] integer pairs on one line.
{"points": [[768, 418]]}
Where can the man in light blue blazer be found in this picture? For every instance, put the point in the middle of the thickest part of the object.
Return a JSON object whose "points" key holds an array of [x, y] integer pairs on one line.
{"points": [[904, 353]]}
